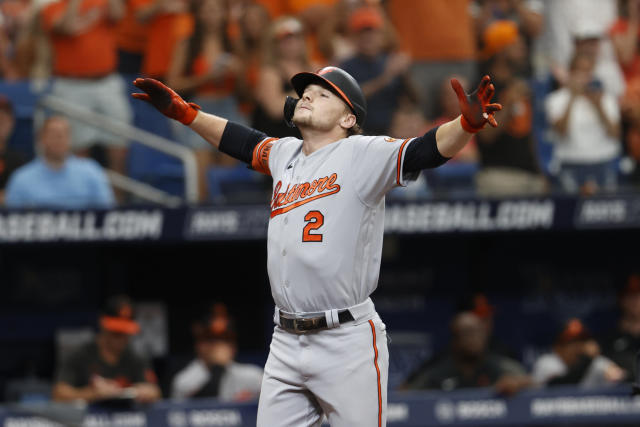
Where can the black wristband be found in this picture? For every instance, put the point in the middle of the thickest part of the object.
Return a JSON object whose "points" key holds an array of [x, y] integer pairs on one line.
{"points": [[238, 141], [422, 153]]}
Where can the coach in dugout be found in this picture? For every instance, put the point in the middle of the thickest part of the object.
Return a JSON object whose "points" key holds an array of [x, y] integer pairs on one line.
{"points": [[57, 179], [214, 372], [106, 369]]}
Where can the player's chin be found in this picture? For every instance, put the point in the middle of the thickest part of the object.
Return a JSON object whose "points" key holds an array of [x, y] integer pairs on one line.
{"points": [[301, 120]]}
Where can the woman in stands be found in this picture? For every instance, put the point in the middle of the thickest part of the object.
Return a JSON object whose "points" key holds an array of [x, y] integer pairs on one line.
{"points": [[205, 69], [285, 54]]}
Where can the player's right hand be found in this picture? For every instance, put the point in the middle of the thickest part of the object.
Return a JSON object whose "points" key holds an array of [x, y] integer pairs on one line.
{"points": [[166, 100]]}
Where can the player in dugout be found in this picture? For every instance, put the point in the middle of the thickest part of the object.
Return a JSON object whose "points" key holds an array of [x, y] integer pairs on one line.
{"points": [[106, 369], [215, 372], [329, 355]]}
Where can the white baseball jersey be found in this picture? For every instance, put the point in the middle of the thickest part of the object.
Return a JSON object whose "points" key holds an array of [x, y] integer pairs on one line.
{"points": [[327, 218], [324, 247]]}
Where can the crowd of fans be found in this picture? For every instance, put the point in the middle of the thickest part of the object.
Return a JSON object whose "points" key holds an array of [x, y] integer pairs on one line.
{"points": [[565, 71]]}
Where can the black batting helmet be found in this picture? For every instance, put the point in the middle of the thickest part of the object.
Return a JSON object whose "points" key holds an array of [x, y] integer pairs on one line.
{"points": [[339, 82]]}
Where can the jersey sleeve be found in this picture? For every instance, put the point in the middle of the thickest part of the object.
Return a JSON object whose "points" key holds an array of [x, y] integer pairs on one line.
{"points": [[378, 166], [262, 155]]}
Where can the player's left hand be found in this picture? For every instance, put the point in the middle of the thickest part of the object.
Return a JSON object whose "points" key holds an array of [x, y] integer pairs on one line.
{"points": [[476, 107]]}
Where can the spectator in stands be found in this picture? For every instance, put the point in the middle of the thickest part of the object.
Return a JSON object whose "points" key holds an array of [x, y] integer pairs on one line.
{"points": [[252, 21], [10, 160], [384, 76], [56, 179], [107, 368], [275, 8], [441, 40], [630, 112], [509, 163], [624, 35], [83, 39], [205, 69], [313, 14], [585, 119], [502, 40], [623, 343], [214, 372], [572, 24], [575, 359], [525, 15], [169, 23], [131, 39], [469, 363], [285, 54], [335, 39], [17, 38]]}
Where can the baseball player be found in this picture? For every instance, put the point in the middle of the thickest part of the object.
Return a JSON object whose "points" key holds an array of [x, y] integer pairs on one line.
{"points": [[328, 355]]}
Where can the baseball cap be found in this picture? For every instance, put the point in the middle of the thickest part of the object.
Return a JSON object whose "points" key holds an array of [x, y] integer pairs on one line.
{"points": [[498, 35], [287, 26], [481, 306], [572, 330], [365, 18], [586, 29], [215, 324], [117, 316], [476, 303]]}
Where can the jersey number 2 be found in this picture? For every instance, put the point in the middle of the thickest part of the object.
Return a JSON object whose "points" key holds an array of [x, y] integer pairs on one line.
{"points": [[315, 220]]}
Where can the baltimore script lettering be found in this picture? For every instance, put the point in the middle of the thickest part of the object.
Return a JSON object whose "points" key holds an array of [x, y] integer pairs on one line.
{"points": [[299, 194]]}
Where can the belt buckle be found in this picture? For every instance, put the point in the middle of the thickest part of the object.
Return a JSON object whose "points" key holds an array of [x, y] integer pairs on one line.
{"points": [[306, 325], [299, 325]]}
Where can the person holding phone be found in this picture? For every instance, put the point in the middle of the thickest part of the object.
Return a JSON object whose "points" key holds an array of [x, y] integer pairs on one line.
{"points": [[585, 120]]}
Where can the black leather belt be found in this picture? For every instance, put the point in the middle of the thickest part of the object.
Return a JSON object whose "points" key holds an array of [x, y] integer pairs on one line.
{"points": [[311, 323]]}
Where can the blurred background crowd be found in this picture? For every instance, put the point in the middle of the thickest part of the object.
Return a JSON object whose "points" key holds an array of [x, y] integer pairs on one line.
{"points": [[565, 71]]}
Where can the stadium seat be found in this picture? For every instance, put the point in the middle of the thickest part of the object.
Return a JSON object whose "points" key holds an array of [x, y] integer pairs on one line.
{"points": [[24, 97], [454, 179], [541, 88], [234, 184], [149, 165]]}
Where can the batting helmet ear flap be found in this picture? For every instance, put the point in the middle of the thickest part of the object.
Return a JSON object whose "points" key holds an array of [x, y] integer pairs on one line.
{"points": [[289, 108]]}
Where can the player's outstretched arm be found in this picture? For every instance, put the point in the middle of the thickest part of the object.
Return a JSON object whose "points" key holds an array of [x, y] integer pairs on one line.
{"points": [[169, 103], [477, 110]]}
